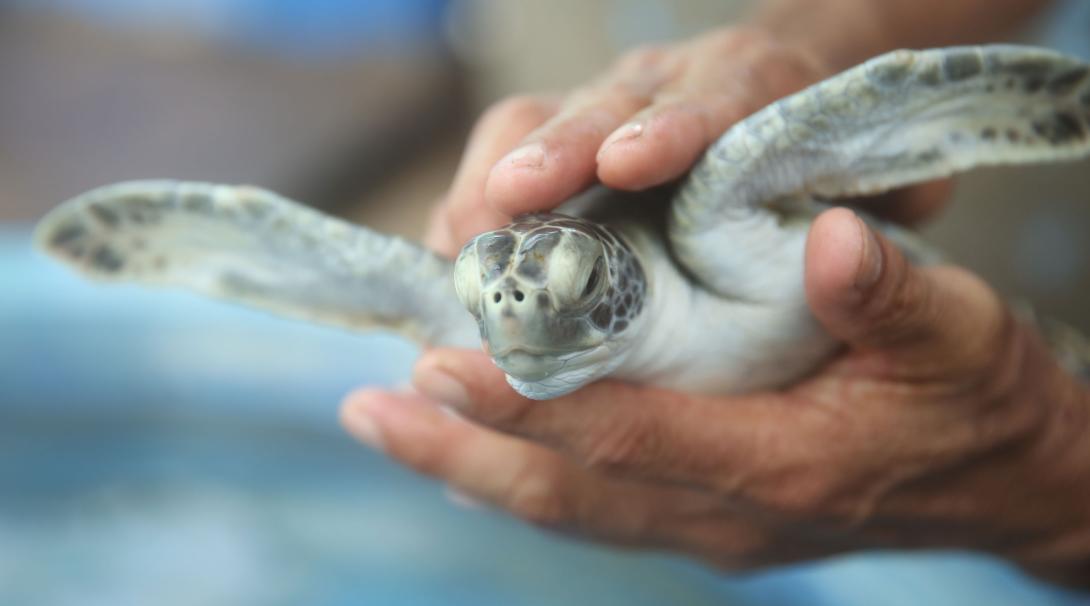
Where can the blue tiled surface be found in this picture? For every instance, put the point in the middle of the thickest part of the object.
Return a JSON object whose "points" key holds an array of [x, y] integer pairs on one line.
{"points": [[158, 448]]}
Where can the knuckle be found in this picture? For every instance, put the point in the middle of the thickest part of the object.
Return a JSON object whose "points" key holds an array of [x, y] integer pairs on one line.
{"points": [[534, 497], [428, 459], [800, 493], [994, 354], [511, 413], [803, 499], [993, 336], [831, 502], [958, 314], [618, 448]]}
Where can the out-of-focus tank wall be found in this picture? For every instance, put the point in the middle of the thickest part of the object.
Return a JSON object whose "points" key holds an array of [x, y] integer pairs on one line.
{"points": [[314, 98], [554, 46]]}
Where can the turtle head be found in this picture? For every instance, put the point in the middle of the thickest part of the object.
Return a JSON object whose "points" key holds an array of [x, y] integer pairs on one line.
{"points": [[556, 299]]}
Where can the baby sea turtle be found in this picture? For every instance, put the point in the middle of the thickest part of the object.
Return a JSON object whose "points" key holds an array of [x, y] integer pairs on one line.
{"points": [[699, 288]]}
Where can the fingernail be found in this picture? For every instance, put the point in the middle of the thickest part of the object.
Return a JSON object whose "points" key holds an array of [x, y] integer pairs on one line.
{"points": [[358, 421], [870, 265], [439, 385], [531, 155], [628, 131]]}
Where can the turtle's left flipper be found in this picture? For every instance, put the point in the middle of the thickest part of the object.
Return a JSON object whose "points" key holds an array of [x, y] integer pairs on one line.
{"points": [[901, 118], [254, 247]]}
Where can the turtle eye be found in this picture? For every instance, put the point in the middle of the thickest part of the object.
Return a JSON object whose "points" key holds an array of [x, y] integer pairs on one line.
{"points": [[592, 279], [576, 272], [467, 279]]}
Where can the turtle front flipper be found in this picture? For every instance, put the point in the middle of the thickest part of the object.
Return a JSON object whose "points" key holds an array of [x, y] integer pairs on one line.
{"points": [[251, 246], [901, 118]]}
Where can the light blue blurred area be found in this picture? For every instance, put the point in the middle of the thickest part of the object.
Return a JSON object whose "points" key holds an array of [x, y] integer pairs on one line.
{"points": [[1067, 27], [156, 448], [306, 29]]}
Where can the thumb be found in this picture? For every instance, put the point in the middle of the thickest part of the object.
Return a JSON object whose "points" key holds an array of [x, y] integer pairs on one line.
{"points": [[864, 291]]}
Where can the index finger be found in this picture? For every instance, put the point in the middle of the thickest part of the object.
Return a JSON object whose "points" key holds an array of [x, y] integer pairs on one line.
{"points": [[630, 430], [463, 213]]}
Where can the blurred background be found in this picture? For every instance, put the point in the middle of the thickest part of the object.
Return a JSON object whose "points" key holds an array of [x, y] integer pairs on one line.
{"points": [[160, 449]]}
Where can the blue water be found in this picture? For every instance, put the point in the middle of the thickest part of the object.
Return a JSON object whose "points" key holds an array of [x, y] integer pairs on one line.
{"points": [[156, 448]]}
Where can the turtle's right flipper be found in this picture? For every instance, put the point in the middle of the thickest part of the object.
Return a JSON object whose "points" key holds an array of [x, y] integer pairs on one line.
{"points": [[254, 247], [902, 118]]}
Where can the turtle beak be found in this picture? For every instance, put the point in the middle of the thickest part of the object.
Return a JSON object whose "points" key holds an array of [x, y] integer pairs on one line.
{"points": [[529, 367]]}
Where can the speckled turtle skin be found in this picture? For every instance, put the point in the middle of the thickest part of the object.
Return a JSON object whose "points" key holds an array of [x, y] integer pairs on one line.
{"points": [[520, 253], [697, 287]]}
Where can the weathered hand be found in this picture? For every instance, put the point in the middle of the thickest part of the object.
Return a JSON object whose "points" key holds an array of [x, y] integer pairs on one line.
{"points": [[945, 423], [644, 123]]}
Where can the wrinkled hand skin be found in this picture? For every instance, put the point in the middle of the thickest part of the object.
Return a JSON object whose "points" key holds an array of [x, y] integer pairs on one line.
{"points": [[644, 123], [944, 423]]}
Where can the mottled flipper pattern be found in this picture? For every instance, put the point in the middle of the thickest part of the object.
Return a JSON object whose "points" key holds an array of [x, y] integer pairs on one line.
{"points": [[251, 246], [901, 118]]}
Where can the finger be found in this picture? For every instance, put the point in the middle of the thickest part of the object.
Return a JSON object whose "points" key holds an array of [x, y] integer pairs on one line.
{"points": [[464, 214], [543, 488], [558, 159], [422, 436], [618, 428], [729, 75], [941, 321], [526, 480], [662, 142]]}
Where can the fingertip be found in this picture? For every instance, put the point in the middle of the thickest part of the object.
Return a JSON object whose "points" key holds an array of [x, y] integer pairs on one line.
{"points": [[438, 235], [844, 261], [834, 250], [466, 212], [357, 416], [359, 401], [516, 185], [554, 162], [657, 146], [459, 378], [464, 364], [865, 292], [394, 422], [437, 382], [464, 500]]}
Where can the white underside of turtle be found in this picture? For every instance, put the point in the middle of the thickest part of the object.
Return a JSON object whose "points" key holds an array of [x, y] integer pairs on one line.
{"points": [[700, 289]]}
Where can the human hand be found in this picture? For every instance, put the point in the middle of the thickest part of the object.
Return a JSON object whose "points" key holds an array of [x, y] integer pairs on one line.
{"points": [[945, 423], [644, 123]]}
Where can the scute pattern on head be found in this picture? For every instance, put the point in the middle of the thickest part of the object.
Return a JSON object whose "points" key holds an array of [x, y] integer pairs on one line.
{"points": [[626, 293], [540, 233], [554, 298], [495, 250]]}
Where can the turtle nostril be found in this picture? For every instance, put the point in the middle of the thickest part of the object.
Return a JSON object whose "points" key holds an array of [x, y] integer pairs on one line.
{"points": [[519, 296], [496, 297]]}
